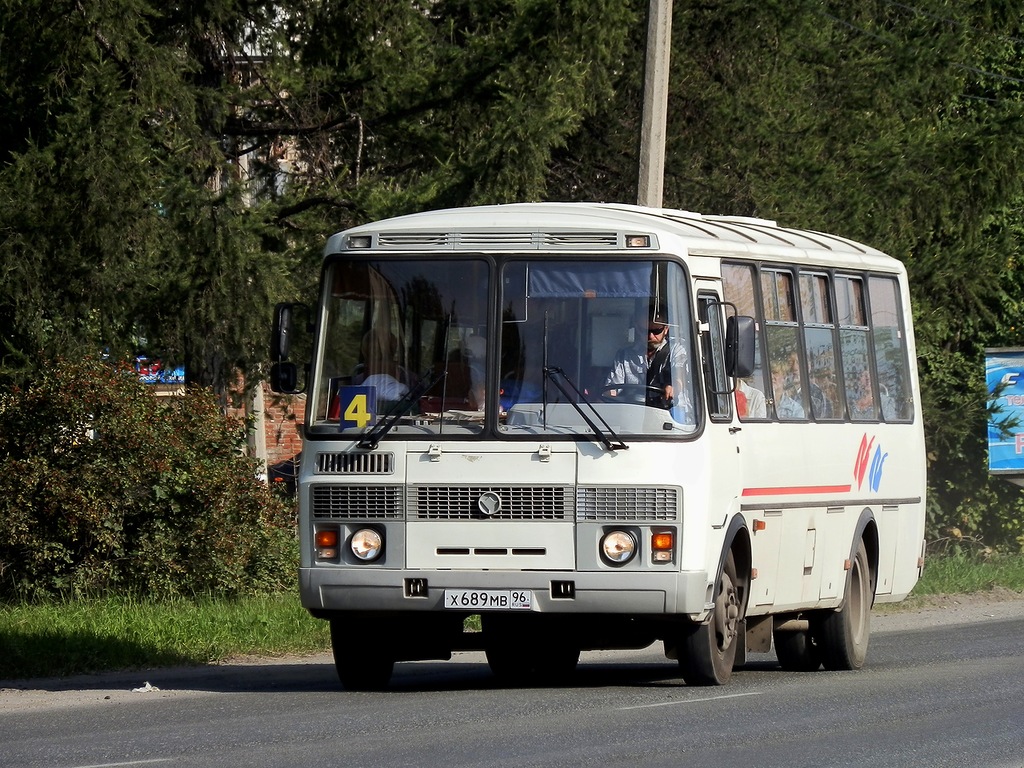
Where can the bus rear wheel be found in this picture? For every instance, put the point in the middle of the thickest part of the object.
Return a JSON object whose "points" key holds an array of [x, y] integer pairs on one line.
{"points": [[707, 652], [843, 635], [363, 662]]}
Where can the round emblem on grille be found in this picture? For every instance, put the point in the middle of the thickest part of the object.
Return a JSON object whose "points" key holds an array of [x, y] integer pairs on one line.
{"points": [[489, 503]]}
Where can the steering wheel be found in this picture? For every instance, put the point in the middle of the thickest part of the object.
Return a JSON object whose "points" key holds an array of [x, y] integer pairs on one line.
{"points": [[631, 393]]}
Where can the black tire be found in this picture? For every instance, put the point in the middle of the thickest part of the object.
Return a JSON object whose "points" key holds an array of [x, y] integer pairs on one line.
{"points": [[843, 635], [797, 651], [363, 663], [707, 652]]}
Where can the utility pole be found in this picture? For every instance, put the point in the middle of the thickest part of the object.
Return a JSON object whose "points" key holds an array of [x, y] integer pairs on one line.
{"points": [[652, 132]]}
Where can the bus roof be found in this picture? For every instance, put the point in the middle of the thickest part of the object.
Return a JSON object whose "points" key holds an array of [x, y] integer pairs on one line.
{"points": [[588, 227]]}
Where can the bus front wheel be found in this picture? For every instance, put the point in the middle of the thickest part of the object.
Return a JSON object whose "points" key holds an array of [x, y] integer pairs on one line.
{"points": [[707, 652], [843, 634], [363, 663]]}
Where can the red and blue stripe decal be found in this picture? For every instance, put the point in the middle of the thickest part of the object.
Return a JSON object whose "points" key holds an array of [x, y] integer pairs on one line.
{"points": [[868, 465]]}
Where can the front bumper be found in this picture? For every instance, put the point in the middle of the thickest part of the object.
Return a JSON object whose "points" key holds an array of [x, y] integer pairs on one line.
{"points": [[624, 593]]}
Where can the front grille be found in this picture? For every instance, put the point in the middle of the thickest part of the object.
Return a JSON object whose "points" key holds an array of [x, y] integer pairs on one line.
{"points": [[363, 502], [428, 502], [423, 502], [355, 463], [619, 504]]}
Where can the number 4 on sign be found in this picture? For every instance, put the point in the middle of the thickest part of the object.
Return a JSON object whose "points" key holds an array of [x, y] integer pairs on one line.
{"points": [[358, 406]]}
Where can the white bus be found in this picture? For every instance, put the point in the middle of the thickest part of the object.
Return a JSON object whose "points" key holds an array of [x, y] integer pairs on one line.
{"points": [[603, 426]]}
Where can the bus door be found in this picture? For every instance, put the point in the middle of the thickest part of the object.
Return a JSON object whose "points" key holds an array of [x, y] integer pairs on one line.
{"points": [[722, 437]]}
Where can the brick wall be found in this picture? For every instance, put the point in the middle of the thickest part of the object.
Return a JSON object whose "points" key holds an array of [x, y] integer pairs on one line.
{"points": [[284, 419]]}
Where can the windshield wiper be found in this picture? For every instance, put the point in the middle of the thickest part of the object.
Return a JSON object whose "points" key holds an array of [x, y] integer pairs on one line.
{"points": [[402, 407], [605, 435]]}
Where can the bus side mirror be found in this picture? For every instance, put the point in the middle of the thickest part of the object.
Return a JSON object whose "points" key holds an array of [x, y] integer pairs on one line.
{"points": [[280, 340], [284, 374], [739, 346], [284, 377]]}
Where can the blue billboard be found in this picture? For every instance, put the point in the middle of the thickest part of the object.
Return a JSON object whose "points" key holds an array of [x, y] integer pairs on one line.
{"points": [[155, 372], [1004, 376]]}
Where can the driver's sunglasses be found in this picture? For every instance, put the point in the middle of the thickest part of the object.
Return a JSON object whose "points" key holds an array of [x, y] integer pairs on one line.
{"points": [[656, 330]]}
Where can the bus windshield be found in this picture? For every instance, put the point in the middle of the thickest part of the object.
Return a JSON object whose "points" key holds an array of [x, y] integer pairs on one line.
{"points": [[418, 346], [613, 336]]}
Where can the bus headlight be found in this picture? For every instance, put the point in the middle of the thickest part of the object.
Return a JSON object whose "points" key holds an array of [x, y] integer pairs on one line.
{"points": [[366, 544], [618, 547]]}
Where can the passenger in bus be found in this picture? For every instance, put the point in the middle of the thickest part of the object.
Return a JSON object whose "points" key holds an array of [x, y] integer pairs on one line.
{"points": [[821, 406], [459, 384], [750, 401], [654, 367], [786, 389], [823, 392], [790, 401], [862, 400], [380, 367]]}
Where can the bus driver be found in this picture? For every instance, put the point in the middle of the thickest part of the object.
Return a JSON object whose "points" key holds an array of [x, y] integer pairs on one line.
{"points": [[648, 372]]}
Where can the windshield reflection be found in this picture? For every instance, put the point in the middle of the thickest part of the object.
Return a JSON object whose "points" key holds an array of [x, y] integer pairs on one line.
{"points": [[410, 348]]}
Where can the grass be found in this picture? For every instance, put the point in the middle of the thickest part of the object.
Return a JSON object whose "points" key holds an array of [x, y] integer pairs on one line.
{"points": [[963, 573], [66, 638]]}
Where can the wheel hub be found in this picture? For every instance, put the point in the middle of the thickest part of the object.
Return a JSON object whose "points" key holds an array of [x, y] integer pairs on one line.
{"points": [[727, 614]]}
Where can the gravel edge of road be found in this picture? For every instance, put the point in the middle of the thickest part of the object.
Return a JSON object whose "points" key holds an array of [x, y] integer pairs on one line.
{"points": [[933, 610]]}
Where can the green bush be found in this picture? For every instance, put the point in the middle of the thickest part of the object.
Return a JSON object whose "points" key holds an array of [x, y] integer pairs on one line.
{"points": [[106, 488]]}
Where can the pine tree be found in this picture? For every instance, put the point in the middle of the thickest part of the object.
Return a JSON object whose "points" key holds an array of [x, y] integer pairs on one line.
{"points": [[123, 215], [896, 124]]}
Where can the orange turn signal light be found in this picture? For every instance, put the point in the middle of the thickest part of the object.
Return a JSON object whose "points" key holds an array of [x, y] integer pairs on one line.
{"points": [[327, 538], [662, 541]]}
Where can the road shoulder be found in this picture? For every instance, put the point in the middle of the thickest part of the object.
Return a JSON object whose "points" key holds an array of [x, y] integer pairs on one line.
{"points": [[317, 673]]}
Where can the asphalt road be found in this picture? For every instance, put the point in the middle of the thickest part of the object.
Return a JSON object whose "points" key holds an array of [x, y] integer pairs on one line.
{"points": [[941, 688]]}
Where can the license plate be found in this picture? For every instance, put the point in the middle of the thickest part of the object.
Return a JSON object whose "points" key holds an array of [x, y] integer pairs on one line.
{"points": [[488, 599]]}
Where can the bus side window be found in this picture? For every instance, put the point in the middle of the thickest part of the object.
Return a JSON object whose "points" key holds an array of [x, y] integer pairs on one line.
{"points": [[738, 287], [890, 350], [853, 342], [819, 344], [789, 395]]}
